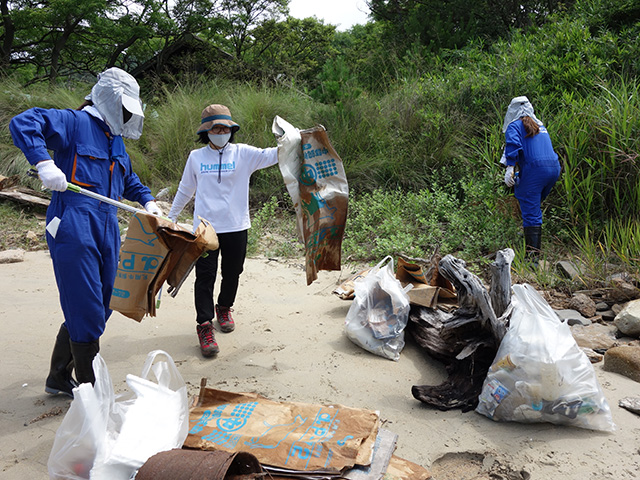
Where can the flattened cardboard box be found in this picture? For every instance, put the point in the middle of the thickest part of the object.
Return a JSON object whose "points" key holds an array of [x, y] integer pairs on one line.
{"points": [[295, 436], [155, 250]]}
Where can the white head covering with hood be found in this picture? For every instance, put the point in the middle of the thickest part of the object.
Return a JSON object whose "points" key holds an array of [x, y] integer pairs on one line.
{"points": [[519, 107], [116, 89]]}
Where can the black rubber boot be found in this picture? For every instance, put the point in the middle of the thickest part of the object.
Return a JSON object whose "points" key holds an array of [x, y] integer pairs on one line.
{"points": [[60, 379], [533, 242], [83, 355]]}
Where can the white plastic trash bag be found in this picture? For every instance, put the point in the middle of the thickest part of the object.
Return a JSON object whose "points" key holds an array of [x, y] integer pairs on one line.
{"points": [[107, 438], [540, 374], [380, 311]]}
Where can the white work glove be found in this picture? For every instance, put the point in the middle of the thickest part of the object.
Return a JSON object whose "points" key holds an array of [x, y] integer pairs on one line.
{"points": [[508, 177], [51, 176], [152, 208]]}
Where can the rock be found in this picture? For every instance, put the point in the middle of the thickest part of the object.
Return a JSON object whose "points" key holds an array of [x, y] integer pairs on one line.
{"points": [[595, 336], [163, 194], [630, 403], [628, 320], [32, 236], [623, 291], [624, 360], [617, 308], [583, 304], [592, 355], [607, 315], [12, 256], [571, 317], [602, 306], [568, 269], [624, 276]]}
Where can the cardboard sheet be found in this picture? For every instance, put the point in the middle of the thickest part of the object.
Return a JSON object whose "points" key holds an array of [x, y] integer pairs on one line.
{"points": [[292, 436]]}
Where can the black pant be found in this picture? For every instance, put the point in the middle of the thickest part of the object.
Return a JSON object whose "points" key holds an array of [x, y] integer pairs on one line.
{"points": [[233, 249]]}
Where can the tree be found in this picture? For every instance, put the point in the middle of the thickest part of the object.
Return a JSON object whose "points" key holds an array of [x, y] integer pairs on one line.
{"points": [[6, 36], [45, 30], [291, 49], [441, 24], [244, 15]]}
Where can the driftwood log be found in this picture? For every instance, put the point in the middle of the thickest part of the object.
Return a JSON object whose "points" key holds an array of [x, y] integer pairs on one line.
{"points": [[466, 340]]}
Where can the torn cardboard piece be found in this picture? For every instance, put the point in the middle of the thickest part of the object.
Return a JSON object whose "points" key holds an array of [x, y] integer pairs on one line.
{"points": [[347, 289], [401, 469], [297, 438], [317, 183], [429, 288], [383, 449], [154, 251]]}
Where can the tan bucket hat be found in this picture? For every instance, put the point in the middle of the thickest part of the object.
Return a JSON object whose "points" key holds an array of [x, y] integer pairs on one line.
{"points": [[216, 115]]}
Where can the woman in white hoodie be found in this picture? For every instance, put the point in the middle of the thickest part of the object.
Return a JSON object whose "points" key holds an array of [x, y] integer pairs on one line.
{"points": [[218, 175]]}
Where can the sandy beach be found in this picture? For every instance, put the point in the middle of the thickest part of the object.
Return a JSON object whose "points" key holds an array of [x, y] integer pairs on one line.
{"points": [[289, 345]]}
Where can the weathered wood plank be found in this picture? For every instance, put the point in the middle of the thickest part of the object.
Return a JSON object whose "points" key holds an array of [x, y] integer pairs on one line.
{"points": [[24, 198], [466, 340]]}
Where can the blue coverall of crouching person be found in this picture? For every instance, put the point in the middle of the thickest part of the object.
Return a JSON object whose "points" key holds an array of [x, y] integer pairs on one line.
{"points": [[85, 247], [539, 169]]}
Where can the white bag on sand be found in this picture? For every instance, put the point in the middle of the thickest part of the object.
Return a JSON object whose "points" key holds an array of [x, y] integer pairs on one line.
{"points": [[107, 438], [540, 374], [380, 311]]}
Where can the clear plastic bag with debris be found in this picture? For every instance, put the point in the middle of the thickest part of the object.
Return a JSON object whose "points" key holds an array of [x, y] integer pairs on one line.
{"points": [[540, 374], [380, 311]]}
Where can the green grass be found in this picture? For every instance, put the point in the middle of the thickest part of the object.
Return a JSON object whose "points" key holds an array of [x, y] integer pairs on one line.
{"points": [[21, 227]]}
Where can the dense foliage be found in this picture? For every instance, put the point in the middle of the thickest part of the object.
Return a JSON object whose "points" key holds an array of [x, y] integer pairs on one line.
{"points": [[414, 107]]}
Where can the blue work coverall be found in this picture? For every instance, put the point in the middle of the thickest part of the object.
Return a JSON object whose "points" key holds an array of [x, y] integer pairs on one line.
{"points": [[86, 246], [539, 169]]}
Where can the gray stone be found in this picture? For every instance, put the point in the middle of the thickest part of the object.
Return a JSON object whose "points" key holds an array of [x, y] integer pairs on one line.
{"points": [[164, 194], [572, 317], [592, 355], [602, 306], [608, 315], [595, 336], [624, 360], [12, 256], [630, 403], [623, 291], [568, 269], [628, 320], [583, 304]]}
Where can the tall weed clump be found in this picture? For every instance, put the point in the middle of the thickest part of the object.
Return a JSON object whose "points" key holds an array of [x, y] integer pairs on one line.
{"points": [[473, 225], [14, 99], [599, 146]]}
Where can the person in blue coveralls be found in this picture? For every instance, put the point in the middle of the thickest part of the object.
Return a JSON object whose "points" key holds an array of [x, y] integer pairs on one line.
{"points": [[82, 233], [529, 149], [218, 174]]}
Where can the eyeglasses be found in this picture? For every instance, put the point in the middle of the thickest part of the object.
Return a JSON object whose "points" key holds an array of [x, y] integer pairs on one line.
{"points": [[216, 129]]}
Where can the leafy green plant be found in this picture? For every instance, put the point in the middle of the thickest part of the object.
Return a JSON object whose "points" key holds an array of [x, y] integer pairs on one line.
{"points": [[273, 232]]}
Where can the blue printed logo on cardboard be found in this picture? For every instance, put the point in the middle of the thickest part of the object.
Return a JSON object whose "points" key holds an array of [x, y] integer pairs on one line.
{"points": [[118, 292], [134, 262]]}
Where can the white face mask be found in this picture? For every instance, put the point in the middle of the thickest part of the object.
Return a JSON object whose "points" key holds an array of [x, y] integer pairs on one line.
{"points": [[220, 139]]}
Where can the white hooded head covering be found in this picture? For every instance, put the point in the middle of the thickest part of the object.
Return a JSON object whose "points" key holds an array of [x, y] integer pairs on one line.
{"points": [[116, 89], [519, 107]]}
